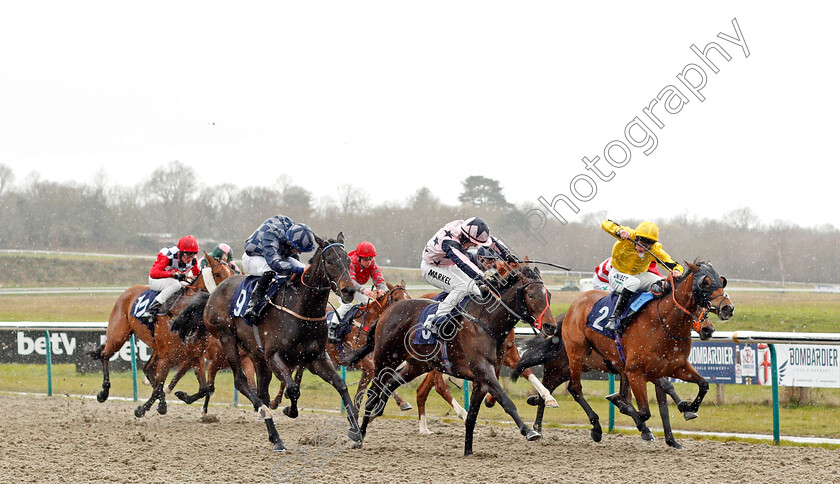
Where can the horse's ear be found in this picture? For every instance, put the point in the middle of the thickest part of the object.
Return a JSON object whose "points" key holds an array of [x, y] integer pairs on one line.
{"points": [[390, 286], [536, 269], [526, 258], [722, 281], [208, 256], [692, 266], [319, 240], [402, 282], [340, 238]]}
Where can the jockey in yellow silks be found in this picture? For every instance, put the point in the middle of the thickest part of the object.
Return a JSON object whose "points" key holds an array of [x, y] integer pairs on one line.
{"points": [[632, 255]]}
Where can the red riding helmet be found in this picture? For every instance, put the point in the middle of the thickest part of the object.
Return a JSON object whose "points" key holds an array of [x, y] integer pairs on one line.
{"points": [[188, 244], [365, 249]]}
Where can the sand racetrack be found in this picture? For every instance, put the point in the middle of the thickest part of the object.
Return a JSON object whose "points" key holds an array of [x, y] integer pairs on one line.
{"points": [[61, 439]]}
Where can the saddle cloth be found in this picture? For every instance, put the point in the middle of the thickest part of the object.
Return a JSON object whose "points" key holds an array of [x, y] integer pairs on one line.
{"points": [[242, 294], [601, 311]]}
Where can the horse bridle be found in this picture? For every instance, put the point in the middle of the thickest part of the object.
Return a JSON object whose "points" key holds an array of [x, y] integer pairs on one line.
{"points": [[333, 285], [522, 306]]}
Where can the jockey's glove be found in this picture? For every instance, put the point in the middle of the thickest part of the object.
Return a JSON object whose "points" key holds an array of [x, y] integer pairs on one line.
{"points": [[179, 276]]}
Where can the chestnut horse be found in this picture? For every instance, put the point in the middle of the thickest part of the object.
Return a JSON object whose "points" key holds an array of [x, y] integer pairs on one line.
{"points": [[434, 379], [358, 335], [656, 343], [292, 332], [550, 352], [168, 348], [473, 351]]}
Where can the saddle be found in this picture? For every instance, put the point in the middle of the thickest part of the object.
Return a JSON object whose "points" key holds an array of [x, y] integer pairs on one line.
{"points": [[141, 305], [242, 294], [604, 307]]}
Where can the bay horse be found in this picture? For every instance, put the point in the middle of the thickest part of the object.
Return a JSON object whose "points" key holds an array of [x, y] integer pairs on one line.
{"points": [[359, 333], [474, 351], [293, 332], [434, 379], [168, 348], [549, 351], [656, 343]]}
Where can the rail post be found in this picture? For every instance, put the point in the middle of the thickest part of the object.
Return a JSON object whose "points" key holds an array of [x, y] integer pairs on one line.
{"points": [[133, 344], [343, 377], [466, 394], [612, 407], [49, 364], [775, 375]]}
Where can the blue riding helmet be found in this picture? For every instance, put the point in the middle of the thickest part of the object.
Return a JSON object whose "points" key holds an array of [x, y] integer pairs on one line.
{"points": [[301, 238]]}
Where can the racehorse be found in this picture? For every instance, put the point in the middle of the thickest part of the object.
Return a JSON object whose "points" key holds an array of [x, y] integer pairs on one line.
{"points": [[550, 352], [474, 351], [168, 348], [292, 332], [434, 379], [656, 343], [358, 335]]}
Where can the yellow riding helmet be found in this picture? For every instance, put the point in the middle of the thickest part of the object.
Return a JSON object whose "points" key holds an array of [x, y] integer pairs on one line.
{"points": [[648, 230]]}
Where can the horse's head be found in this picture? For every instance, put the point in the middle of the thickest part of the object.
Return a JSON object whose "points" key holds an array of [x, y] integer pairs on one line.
{"points": [[532, 300], [708, 290], [331, 264], [213, 274], [395, 293]]}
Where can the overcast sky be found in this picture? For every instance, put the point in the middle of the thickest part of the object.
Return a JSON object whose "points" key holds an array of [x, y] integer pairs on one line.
{"points": [[433, 92]]}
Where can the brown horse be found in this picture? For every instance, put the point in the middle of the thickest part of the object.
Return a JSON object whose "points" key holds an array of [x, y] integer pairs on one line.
{"points": [[473, 351], [549, 351], [168, 348], [434, 379], [358, 335], [292, 332], [656, 343]]}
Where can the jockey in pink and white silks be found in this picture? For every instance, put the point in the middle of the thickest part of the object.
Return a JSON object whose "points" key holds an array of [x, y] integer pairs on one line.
{"points": [[447, 266]]}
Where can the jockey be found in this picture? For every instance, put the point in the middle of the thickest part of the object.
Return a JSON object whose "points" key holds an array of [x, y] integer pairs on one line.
{"points": [[362, 268], [601, 278], [446, 265], [273, 250], [222, 253], [632, 255], [169, 271]]}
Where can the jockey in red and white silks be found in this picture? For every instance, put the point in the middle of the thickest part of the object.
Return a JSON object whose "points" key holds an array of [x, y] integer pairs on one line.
{"points": [[447, 266], [172, 266]]}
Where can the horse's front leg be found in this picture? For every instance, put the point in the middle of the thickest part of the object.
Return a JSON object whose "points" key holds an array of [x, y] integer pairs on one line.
{"points": [[284, 373], [623, 401], [472, 414], [576, 390], [325, 369], [689, 374], [662, 402], [669, 389], [638, 383], [183, 368], [486, 377]]}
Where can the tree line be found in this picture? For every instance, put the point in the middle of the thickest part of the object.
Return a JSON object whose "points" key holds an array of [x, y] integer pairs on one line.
{"points": [[95, 216]]}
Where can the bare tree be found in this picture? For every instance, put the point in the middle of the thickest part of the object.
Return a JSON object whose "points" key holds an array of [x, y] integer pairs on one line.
{"points": [[7, 177]]}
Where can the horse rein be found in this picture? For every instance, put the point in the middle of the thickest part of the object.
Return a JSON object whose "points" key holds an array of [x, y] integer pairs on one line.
{"points": [[535, 323]]}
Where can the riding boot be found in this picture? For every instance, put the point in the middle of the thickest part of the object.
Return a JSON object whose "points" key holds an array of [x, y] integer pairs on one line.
{"points": [[258, 295], [620, 305], [151, 313]]}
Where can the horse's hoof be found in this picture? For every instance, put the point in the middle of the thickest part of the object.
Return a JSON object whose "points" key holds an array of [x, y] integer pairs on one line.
{"points": [[552, 403], [675, 444], [596, 435], [139, 411], [468, 453], [689, 415], [538, 428], [355, 445], [534, 400], [533, 435], [101, 396], [279, 446], [405, 406], [146, 381], [425, 432], [290, 412], [161, 409], [613, 398], [489, 403], [354, 435], [648, 437], [182, 396]]}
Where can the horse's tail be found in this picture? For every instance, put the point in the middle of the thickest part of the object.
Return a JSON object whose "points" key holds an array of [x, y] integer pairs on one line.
{"points": [[539, 350], [97, 353], [191, 319], [355, 356]]}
